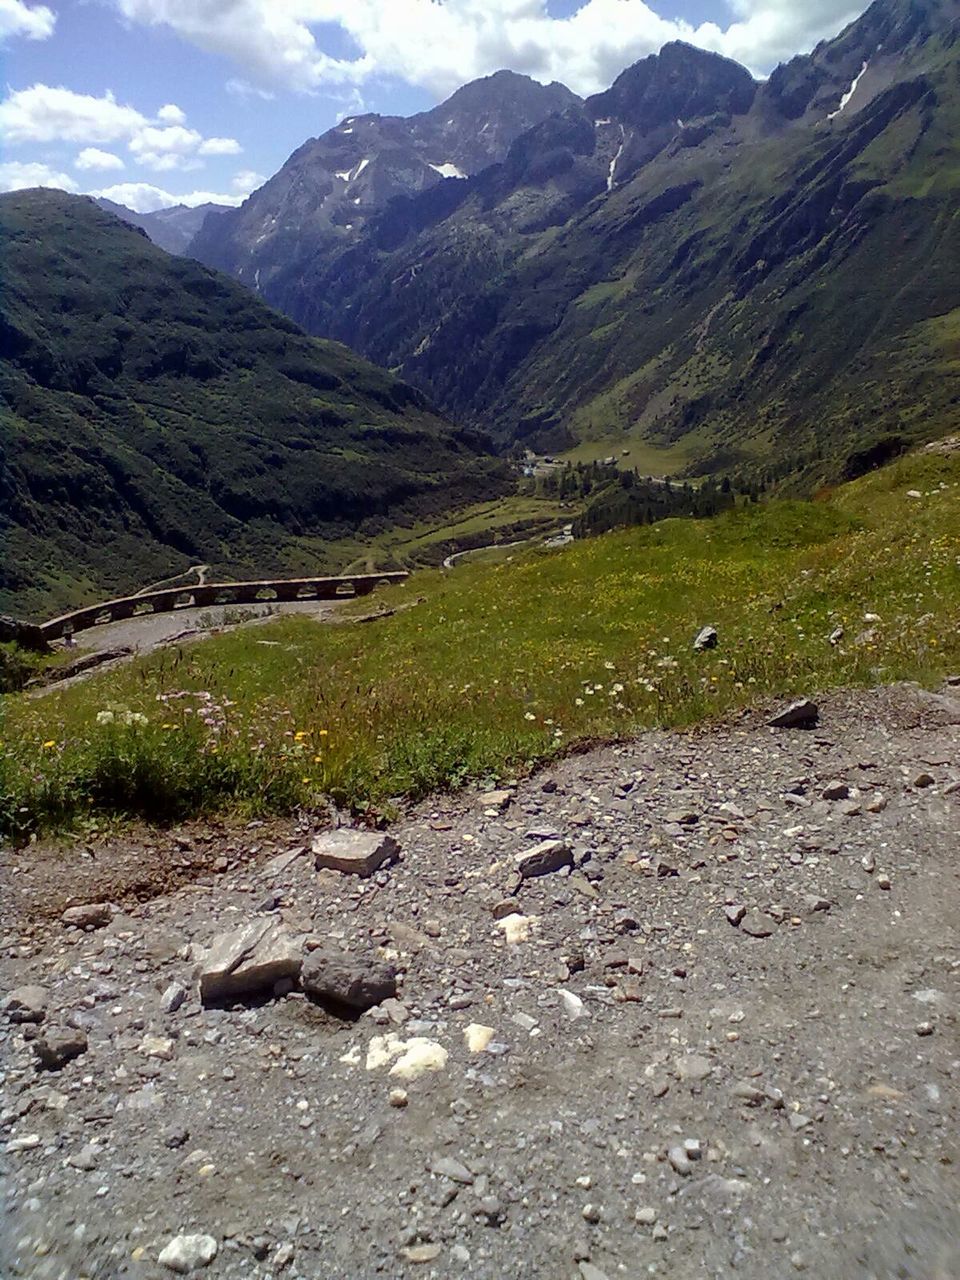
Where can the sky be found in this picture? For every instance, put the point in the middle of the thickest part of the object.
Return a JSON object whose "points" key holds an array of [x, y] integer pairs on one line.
{"points": [[159, 102]]}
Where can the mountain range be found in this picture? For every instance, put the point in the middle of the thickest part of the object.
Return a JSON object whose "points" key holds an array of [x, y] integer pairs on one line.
{"points": [[155, 414], [742, 275], [173, 228]]}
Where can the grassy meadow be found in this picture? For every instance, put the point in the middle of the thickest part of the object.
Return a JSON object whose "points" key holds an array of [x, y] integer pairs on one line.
{"points": [[499, 666]]}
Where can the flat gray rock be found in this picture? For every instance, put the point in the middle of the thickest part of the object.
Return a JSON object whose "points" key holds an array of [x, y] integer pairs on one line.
{"points": [[544, 858], [354, 852], [249, 959]]}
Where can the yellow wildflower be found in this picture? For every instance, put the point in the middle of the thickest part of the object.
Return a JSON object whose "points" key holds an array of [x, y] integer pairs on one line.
{"points": [[48, 745]]}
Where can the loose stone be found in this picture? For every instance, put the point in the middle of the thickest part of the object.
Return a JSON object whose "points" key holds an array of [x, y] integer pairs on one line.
{"points": [[802, 714], [173, 997], [249, 959], [188, 1253], [360, 984], [93, 915], [359, 853], [26, 1004], [543, 859], [54, 1049]]}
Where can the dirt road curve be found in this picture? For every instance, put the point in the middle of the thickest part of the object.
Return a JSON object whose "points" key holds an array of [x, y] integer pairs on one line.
{"points": [[723, 1043]]}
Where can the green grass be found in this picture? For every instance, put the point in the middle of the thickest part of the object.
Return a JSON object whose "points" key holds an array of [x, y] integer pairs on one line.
{"points": [[427, 543], [509, 664]]}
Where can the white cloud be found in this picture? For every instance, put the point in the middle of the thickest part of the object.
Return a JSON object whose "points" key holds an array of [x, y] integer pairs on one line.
{"points": [[143, 197], [94, 158], [34, 22], [246, 181], [220, 147], [166, 149], [44, 113], [241, 89], [16, 176], [440, 45], [164, 143]]}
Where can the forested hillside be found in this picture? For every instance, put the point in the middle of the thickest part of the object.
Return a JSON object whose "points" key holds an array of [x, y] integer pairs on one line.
{"points": [[155, 415]]}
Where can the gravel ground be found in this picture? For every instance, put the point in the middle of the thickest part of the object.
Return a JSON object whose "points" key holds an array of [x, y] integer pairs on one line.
{"points": [[723, 1042]]}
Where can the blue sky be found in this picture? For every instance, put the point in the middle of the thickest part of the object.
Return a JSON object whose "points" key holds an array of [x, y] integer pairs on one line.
{"points": [[158, 100]]}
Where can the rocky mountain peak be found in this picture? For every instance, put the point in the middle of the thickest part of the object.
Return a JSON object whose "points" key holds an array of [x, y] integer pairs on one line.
{"points": [[332, 185], [681, 82], [844, 74]]}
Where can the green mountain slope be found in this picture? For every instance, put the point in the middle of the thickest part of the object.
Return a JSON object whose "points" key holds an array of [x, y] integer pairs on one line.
{"points": [[154, 414], [766, 275]]}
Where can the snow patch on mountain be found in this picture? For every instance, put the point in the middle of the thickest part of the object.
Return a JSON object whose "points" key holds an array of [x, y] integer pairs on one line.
{"points": [[448, 170], [847, 97]]}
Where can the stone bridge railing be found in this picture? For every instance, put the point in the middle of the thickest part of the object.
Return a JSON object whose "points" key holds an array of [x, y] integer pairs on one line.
{"points": [[213, 593]]}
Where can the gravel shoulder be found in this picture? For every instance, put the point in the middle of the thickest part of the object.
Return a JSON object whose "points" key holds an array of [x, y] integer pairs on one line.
{"points": [[720, 1040]]}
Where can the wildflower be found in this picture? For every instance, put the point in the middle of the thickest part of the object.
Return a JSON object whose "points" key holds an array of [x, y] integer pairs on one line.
{"points": [[317, 759], [105, 717], [47, 746], [299, 735], [529, 716]]}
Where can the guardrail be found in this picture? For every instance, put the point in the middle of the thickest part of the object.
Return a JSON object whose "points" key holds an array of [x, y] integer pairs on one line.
{"points": [[213, 593]]}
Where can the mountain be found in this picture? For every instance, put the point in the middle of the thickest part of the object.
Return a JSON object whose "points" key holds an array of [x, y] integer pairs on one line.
{"points": [[330, 187], [154, 414], [742, 275], [172, 229]]}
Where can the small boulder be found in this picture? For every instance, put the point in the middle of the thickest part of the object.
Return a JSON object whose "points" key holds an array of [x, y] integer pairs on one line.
{"points": [[683, 817], [249, 959], [173, 997], [802, 714], [757, 924], [835, 791], [188, 1253], [706, 639], [92, 915], [543, 859], [499, 800], [55, 1048], [26, 1004], [348, 980], [353, 852]]}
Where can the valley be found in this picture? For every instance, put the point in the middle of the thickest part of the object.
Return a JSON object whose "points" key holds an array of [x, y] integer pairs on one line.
{"points": [[718, 301]]}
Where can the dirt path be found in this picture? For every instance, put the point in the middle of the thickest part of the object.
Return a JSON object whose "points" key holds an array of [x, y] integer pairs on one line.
{"points": [[146, 632], [722, 1044]]}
